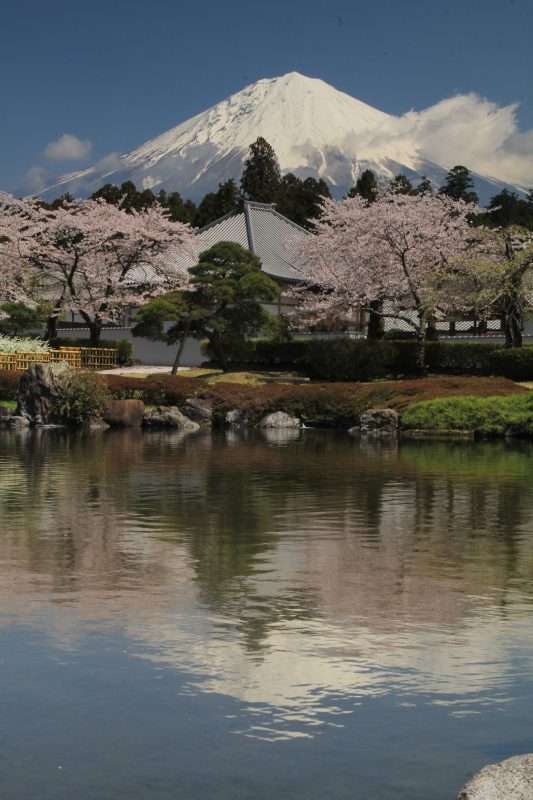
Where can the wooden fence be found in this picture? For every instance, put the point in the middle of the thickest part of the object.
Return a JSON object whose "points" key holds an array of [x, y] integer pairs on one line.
{"points": [[77, 357]]}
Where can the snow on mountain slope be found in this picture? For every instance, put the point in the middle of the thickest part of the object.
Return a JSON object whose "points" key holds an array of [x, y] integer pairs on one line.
{"points": [[314, 129]]}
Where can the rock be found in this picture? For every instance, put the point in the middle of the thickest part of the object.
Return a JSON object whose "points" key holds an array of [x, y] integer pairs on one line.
{"points": [[95, 424], [511, 779], [14, 423], [124, 413], [236, 419], [379, 422], [40, 387], [169, 417], [279, 419], [200, 409]]}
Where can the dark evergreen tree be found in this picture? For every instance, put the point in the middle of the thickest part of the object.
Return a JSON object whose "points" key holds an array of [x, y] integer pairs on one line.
{"points": [[178, 210], [507, 208], [301, 200], [401, 184], [261, 175], [424, 187], [459, 185], [366, 186], [126, 196], [18, 318], [217, 204], [223, 305], [59, 202]]}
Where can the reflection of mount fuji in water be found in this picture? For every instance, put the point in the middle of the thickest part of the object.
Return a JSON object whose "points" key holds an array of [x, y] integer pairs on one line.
{"points": [[315, 130], [268, 578]]}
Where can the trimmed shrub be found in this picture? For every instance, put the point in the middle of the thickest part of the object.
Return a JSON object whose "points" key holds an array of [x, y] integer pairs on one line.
{"points": [[365, 360], [486, 416], [345, 359], [9, 384], [461, 358], [85, 395], [22, 344], [516, 364]]}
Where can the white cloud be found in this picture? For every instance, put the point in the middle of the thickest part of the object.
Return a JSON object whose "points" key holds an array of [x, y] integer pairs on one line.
{"points": [[68, 148], [469, 130], [35, 179], [108, 163]]}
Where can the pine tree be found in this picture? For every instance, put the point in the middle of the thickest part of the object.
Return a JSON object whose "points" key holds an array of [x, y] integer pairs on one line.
{"points": [[459, 185], [366, 186], [260, 179], [424, 187], [401, 184], [217, 204], [301, 201]]}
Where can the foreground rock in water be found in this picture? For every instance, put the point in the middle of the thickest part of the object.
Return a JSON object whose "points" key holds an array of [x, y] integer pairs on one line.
{"points": [[511, 779], [236, 419], [200, 409], [124, 413], [379, 422], [14, 423], [169, 417], [279, 419], [40, 388]]}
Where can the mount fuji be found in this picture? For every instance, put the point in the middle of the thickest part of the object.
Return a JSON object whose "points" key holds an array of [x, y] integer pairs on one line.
{"points": [[314, 129]]}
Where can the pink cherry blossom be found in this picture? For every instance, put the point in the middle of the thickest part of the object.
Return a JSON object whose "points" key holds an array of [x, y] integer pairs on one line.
{"points": [[87, 256]]}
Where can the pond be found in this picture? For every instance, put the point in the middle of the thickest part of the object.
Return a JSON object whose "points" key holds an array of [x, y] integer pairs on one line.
{"points": [[295, 615]]}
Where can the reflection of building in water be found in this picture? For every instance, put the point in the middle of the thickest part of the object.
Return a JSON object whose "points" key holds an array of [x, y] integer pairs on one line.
{"points": [[277, 574]]}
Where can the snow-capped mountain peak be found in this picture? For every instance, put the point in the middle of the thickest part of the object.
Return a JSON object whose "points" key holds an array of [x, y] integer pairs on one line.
{"points": [[314, 129]]}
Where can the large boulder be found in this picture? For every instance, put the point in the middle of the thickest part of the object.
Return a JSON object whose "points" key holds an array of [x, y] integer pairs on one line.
{"points": [[14, 423], [124, 413], [40, 388], [236, 419], [279, 419], [379, 422], [169, 417], [199, 409], [511, 779]]}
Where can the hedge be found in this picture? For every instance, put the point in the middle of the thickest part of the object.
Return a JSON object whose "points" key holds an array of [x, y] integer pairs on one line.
{"points": [[364, 360], [336, 405], [9, 382]]}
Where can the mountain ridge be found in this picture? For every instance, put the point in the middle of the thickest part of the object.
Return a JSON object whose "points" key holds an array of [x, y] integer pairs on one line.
{"points": [[316, 131]]}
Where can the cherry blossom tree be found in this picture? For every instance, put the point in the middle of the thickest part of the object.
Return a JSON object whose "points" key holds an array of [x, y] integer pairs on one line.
{"points": [[495, 277], [401, 250], [92, 258]]}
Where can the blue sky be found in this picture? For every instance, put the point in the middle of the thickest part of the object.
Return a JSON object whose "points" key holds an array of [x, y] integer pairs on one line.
{"points": [[118, 72]]}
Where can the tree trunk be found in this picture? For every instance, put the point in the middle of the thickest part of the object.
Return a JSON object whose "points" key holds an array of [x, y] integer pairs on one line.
{"points": [[216, 344], [51, 326], [422, 339], [432, 333], [181, 348], [95, 329], [512, 326], [376, 322]]}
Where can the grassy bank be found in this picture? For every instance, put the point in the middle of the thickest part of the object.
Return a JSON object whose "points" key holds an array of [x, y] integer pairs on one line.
{"points": [[485, 416], [336, 405], [487, 406]]}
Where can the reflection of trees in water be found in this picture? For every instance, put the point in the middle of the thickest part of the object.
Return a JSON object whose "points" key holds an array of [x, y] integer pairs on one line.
{"points": [[273, 531], [63, 517]]}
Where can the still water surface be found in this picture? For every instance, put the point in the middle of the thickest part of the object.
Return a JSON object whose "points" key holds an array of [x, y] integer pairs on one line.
{"points": [[236, 617]]}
